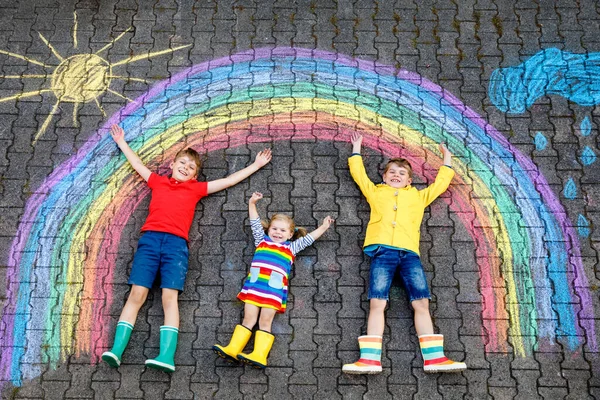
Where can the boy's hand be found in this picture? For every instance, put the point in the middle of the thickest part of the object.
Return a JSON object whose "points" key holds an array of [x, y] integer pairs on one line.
{"points": [[444, 150], [256, 196], [263, 158], [356, 140], [117, 133], [327, 221], [446, 154]]}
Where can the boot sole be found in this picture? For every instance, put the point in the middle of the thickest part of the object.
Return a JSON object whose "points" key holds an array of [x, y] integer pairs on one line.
{"points": [[446, 370], [251, 363], [111, 359], [160, 366], [225, 356], [362, 371]]}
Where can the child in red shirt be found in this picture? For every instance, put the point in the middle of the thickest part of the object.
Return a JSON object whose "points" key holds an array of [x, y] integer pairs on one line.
{"points": [[162, 248]]}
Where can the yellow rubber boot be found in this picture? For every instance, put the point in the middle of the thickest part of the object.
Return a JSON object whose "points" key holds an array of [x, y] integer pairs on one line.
{"points": [[262, 346], [238, 341]]}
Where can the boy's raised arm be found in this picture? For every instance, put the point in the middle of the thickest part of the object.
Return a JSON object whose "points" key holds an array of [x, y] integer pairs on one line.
{"points": [[261, 160], [118, 136]]}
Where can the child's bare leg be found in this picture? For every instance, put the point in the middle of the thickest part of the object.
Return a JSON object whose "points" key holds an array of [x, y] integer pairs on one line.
{"points": [[170, 307], [135, 301], [266, 319], [376, 321], [250, 315], [422, 317]]}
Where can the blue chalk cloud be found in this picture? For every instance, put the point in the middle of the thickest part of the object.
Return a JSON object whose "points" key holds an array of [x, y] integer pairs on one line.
{"points": [[575, 77]]}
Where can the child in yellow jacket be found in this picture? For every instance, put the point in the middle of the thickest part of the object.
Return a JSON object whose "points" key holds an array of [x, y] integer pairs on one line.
{"points": [[392, 242]]}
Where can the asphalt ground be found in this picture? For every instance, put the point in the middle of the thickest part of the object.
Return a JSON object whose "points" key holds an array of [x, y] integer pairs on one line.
{"points": [[510, 250]]}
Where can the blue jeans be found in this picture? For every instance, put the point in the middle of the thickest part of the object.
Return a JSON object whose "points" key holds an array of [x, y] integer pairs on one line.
{"points": [[386, 262], [164, 252]]}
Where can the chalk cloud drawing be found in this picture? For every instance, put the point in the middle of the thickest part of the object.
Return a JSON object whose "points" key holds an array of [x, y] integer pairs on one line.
{"points": [[532, 280], [77, 79], [549, 72], [552, 71]]}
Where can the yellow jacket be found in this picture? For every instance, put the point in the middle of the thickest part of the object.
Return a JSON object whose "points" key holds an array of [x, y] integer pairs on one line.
{"points": [[396, 214]]}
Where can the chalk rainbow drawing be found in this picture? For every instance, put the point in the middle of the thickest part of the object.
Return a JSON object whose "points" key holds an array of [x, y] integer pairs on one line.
{"points": [[62, 261], [551, 71]]}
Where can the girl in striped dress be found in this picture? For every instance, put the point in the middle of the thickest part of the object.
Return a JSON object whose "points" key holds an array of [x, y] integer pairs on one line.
{"points": [[266, 287]]}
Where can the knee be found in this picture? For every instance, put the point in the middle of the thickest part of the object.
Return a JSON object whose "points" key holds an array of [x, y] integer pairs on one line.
{"points": [[265, 322], [377, 305], [421, 305], [249, 321], [137, 296], [265, 319]]}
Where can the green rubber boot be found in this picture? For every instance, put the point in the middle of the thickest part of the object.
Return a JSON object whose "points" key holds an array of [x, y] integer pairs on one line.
{"points": [[168, 344], [122, 335]]}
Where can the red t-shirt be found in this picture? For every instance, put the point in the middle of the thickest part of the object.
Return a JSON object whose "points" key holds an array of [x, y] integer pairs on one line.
{"points": [[172, 205]]}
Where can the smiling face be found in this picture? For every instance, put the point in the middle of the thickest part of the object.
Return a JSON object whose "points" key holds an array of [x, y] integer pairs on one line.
{"points": [[280, 230], [398, 174], [184, 168]]}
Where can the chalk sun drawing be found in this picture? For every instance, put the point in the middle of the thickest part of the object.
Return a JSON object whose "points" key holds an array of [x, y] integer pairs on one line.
{"points": [[77, 79], [62, 260]]}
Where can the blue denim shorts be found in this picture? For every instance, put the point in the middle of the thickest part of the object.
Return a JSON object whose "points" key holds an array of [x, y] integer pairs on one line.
{"points": [[386, 262], [160, 252]]}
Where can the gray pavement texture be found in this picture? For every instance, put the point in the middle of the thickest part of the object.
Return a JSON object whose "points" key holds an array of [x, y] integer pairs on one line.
{"points": [[518, 302]]}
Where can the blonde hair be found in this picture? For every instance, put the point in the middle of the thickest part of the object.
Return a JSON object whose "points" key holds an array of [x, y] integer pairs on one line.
{"points": [[400, 162], [298, 231]]}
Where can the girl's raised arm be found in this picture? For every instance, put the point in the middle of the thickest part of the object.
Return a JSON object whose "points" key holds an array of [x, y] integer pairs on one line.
{"points": [[327, 221], [252, 211]]}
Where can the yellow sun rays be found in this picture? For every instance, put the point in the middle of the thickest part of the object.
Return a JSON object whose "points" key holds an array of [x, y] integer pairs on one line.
{"points": [[80, 78]]}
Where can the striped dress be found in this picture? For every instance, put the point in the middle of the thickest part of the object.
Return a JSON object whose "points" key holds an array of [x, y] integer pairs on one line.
{"points": [[267, 282]]}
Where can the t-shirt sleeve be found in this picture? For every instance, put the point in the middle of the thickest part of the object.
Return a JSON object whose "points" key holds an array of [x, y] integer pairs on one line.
{"points": [[439, 186], [202, 189], [359, 174], [153, 180], [300, 244], [257, 231]]}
